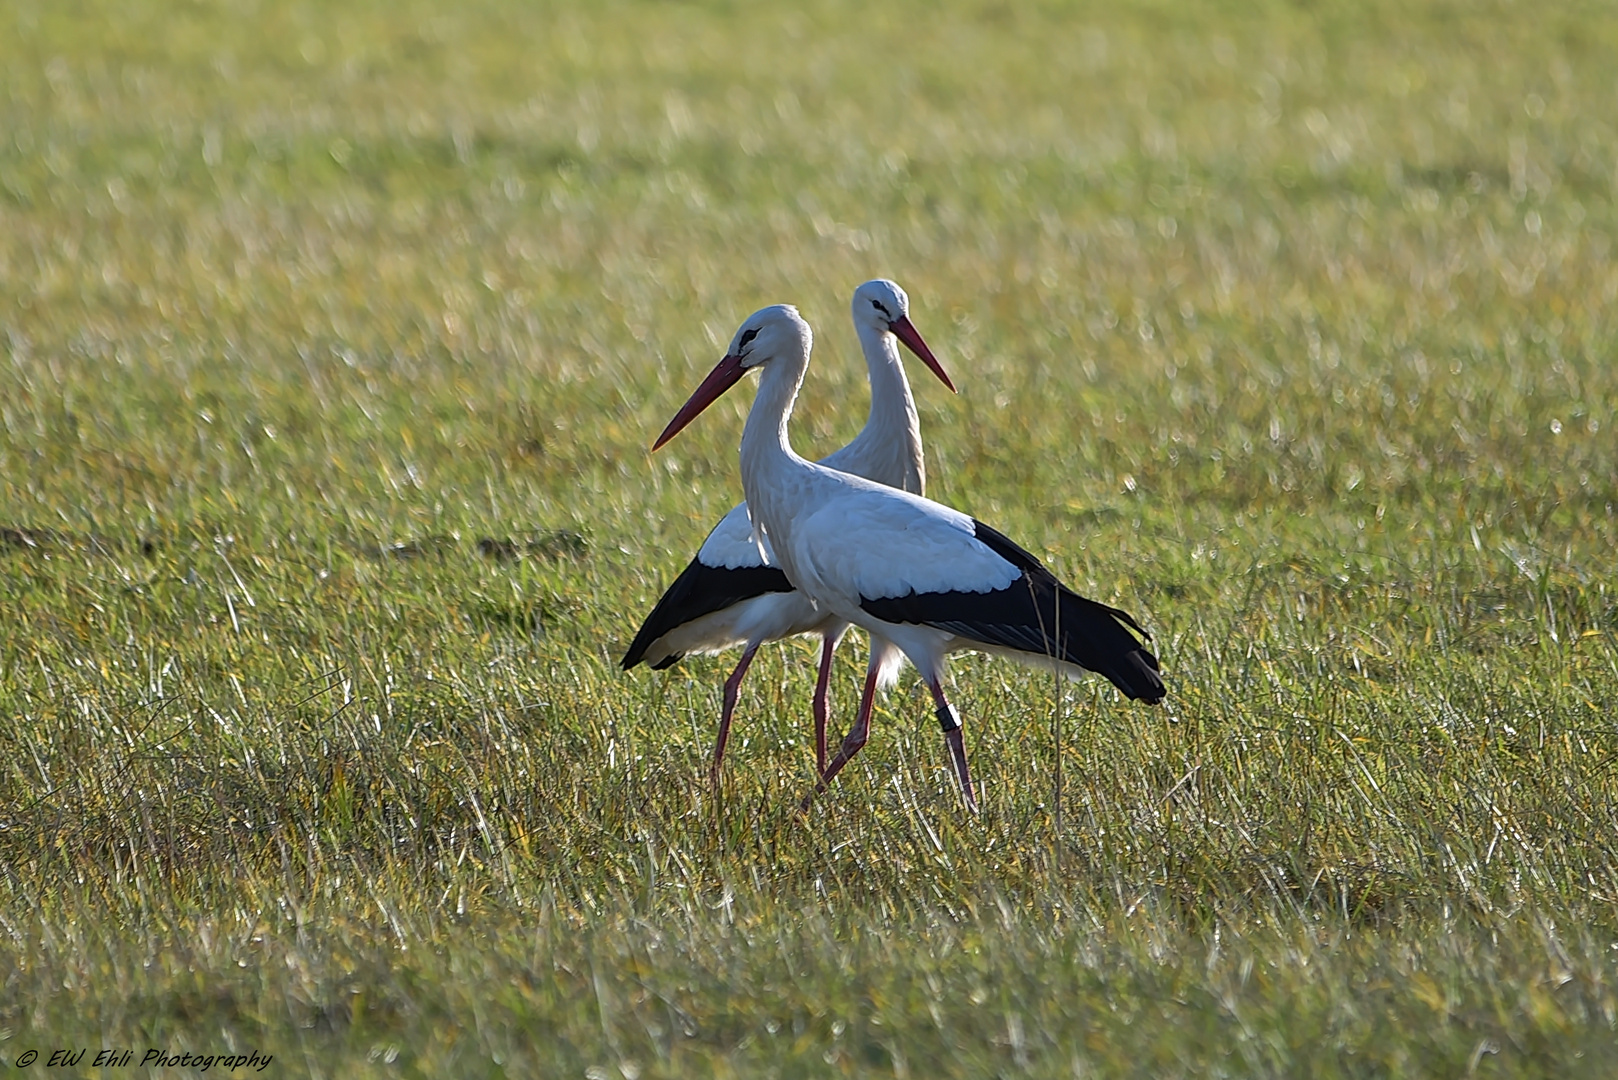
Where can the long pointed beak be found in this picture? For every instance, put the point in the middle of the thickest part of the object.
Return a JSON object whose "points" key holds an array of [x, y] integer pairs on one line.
{"points": [[905, 332], [728, 373]]}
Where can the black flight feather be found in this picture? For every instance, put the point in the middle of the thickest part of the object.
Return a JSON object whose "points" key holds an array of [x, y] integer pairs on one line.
{"points": [[701, 590], [1029, 614]]}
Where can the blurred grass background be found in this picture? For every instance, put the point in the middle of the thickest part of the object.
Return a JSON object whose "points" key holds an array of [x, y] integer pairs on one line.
{"points": [[334, 337]]}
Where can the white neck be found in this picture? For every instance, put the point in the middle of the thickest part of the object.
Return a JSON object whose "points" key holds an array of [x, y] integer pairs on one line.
{"points": [[888, 449], [776, 481], [766, 452]]}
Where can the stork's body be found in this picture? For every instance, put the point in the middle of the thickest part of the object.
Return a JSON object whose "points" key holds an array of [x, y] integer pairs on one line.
{"points": [[731, 594], [922, 579]]}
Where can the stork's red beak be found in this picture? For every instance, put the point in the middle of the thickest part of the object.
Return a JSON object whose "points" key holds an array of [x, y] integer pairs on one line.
{"points": [[728, 373], [905, 332]]}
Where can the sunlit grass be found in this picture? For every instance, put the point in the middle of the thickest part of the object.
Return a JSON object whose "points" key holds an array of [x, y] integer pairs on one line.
{"points": [[332, 338]]}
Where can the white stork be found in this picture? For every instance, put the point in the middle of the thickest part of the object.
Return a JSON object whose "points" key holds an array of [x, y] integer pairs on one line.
{"points": [[731, 593], [922, 579]]}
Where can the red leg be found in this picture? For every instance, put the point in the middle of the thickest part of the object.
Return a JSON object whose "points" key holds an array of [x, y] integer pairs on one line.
{"points": [[853, 742], [733, 686], [951, 723], [828, 646]]}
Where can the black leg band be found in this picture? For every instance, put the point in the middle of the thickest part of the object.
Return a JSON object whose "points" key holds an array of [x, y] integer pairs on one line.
{"points": [[948, 720]]}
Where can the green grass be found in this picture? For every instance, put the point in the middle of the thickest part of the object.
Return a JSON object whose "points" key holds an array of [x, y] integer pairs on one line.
{"points": [[332, 338]]}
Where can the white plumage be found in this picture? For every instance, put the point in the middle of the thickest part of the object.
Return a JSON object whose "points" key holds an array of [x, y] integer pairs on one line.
{"points": [[922, 579], [731, 594], [920, 546]]}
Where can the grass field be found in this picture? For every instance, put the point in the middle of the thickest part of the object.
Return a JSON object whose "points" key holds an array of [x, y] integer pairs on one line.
{"points": [[332, 338]]}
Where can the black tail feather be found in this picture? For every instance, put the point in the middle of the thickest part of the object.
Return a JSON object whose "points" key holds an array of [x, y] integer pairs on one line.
{"points": [[1092, 636]]}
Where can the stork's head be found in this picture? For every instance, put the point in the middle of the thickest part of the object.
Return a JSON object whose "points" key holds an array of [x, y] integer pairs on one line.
{"points": [[772, 333], [883, 306], [880, 302], [777, 330]]}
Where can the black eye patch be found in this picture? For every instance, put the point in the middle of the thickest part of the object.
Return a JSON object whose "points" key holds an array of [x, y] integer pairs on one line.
{"points": [[878, 305], [747, 337]]}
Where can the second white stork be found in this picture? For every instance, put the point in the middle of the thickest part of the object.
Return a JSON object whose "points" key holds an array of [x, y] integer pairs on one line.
{"points": [[731, 594], [922, 579]]}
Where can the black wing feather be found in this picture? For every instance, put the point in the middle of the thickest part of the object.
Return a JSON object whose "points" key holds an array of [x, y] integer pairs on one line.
{"points": [[1036, 614], [701, 590]]}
